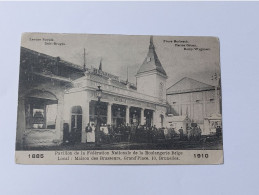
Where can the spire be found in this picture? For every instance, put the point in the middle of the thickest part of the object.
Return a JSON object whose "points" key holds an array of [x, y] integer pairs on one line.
{"points": [[151, 44], [151, 62], [100, 65]]}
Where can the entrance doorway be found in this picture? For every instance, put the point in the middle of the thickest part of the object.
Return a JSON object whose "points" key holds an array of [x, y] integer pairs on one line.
{"points": [[118, 115], [76, 124], [102, 112], [149, 117], [135, 116]]}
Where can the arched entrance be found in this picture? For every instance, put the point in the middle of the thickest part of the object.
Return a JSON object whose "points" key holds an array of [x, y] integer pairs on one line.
{"points": [[76, 124], [40, 110]]}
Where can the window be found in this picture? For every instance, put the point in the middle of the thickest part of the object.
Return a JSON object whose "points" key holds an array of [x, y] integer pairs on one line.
{"points": [[211, 100], [76, 117], [40, 110], [161, 90], [40, 114]]}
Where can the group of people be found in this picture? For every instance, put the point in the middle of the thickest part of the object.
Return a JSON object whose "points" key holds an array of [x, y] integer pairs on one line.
{"points": [[140, 133], [122, 133], [135, 133], [194, 133]]}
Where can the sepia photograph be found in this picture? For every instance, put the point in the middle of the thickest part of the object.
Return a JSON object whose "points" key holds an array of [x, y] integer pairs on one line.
{"points": [[119, 92], [129, 98]]}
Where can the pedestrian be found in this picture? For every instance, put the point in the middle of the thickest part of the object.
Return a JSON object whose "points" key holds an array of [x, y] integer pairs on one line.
{"points": [[88, 129], [127, 133], [181, 133], [91, 135], [218, 131], [189, 130], [199, 133], [132, 133], [105, 133]]}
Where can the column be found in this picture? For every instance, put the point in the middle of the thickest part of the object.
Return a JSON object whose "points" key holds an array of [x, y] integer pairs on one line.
{"points": [[21, 120], [85, 120], [59, 121], [109, 114], [127, 115], [154, 118], [142, 116]]}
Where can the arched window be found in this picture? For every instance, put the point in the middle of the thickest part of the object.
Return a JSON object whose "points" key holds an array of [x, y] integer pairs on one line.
{"points": [[40, 110]]}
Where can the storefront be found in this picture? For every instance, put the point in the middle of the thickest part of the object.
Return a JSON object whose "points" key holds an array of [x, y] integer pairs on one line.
{"points": [[119, 106]]}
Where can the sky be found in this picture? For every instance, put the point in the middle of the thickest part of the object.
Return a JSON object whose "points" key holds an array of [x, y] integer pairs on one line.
{"points": [[194, 57]]}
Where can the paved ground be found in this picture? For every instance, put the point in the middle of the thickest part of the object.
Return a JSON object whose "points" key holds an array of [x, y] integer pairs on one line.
{"points": [[204, 144]]}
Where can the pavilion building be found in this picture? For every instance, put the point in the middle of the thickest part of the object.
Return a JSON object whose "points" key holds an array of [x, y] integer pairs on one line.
{"points": [[194, 99], [121, 102], [42, 83], [55, 95]]}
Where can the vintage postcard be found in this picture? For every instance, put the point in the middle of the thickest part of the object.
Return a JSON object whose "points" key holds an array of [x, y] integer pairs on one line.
{"points": [[119, 99]]}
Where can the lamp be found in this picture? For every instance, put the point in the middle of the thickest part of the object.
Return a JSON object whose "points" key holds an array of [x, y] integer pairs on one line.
{"points": [[97, 132], [99, 92]]}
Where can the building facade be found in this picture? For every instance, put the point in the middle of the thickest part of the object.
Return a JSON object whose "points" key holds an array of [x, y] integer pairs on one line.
{"points": [[57, 97], [42, 83], [122, 103], [193, 99]]}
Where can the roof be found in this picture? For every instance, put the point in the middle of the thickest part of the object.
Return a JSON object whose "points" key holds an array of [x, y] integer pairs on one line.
{"points": [[52, 76], [151, 62], [63, 62], [186, 85], [113, 82]]}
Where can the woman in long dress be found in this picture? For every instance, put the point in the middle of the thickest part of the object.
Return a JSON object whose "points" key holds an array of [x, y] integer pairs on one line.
{"points": [[90, 136]]}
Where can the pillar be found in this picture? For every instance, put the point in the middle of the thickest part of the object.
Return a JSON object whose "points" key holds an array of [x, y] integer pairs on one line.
{"points": [[109, 114], [85, 120], [154, 118], [59, 122], [142, 116], [21, 121], [127, 114]]}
